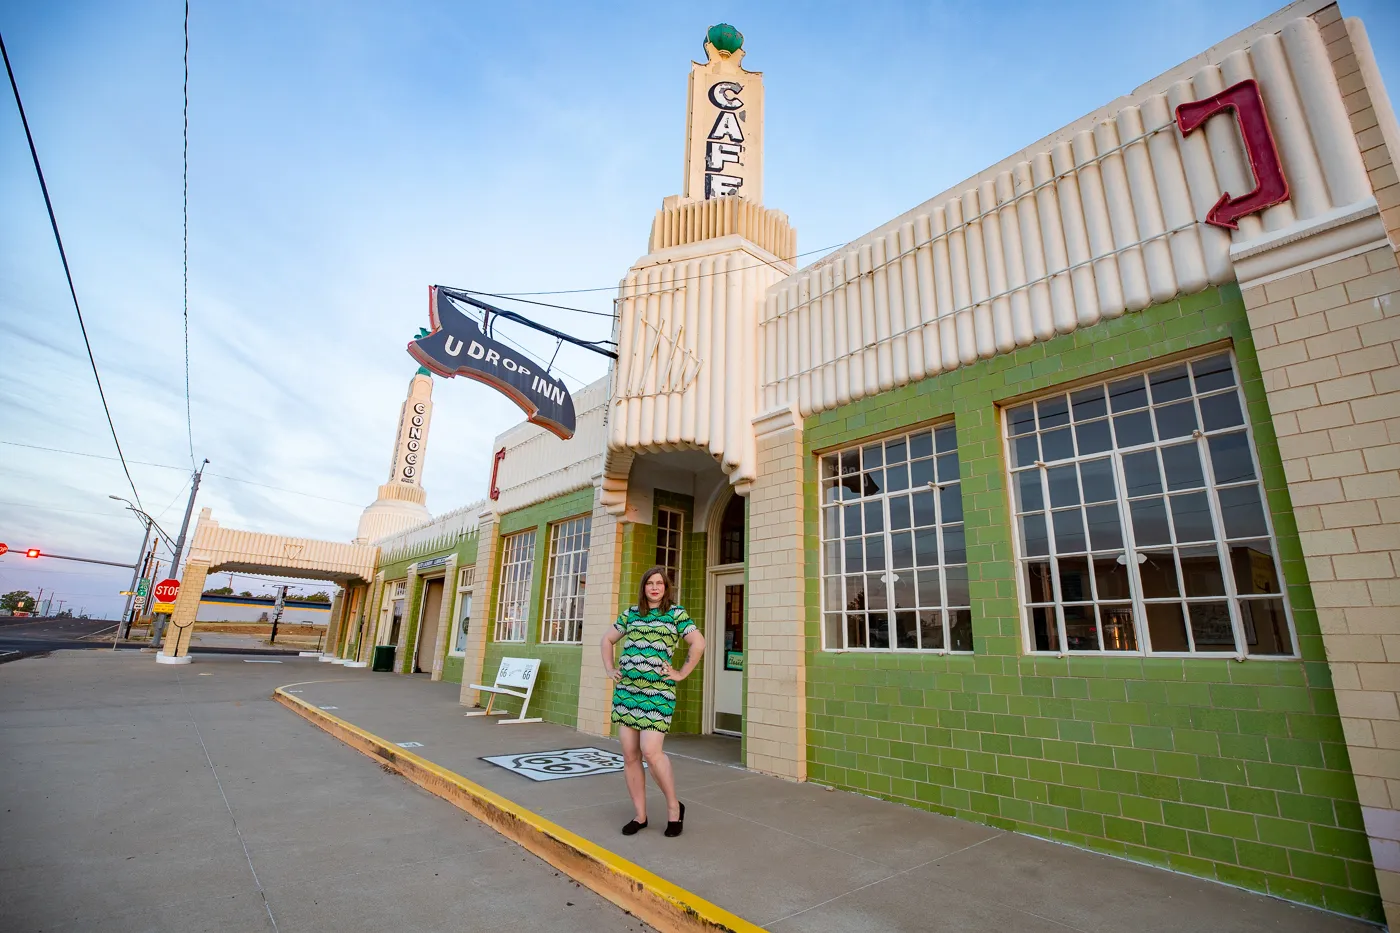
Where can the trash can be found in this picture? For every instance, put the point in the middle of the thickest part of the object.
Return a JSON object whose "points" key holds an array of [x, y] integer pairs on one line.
{"points": [[383, 658]]}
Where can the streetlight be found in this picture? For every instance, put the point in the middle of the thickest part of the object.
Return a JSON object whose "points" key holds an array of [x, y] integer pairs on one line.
{"points": [[149, 524], [146, 520]]}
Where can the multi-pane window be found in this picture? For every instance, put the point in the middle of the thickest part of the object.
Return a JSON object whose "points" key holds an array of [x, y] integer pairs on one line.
{"points": [[513, 594], [1140, 519], [466, 579], [894, 559], [568, 576], [731, 532], [397, 602], [669, 523]]}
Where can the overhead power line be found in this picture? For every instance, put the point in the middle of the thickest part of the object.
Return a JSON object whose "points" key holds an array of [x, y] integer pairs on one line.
{"points": [[67, 272], [542, 304], [167, 466], [50, 508], [189, 420], [613, 288], [294, 492], [79, 453]]}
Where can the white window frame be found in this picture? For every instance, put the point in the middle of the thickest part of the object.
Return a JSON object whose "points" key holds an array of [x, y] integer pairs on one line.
{"points": [[395, 591], [1221, 542], [566, 581], [665, 551], [466, 587], [831, 584], [513, 588]]}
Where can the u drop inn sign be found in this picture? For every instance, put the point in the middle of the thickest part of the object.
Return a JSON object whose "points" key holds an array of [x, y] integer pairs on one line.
{"points": [[456, 346]]}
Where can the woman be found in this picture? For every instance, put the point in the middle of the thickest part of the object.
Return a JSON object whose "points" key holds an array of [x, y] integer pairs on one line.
{"points": [[644, 690]]}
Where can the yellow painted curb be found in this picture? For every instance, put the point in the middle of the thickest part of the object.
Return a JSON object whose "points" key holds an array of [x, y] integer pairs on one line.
{"points": [[666, 906]]}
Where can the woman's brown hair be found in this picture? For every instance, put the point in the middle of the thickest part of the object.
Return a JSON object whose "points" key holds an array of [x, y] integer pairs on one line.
{"points": [[666, 598]]}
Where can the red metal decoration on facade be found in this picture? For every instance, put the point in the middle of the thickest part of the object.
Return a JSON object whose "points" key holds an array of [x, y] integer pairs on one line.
{"points": [[1270, 187], [495, 492]]}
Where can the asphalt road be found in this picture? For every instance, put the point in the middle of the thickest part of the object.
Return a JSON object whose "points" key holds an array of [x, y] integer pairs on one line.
{"points": [[144, 797], [26, 637]]}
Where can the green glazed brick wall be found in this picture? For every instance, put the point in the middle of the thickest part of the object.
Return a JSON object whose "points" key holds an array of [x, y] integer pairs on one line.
{"points": [[452, 669], [465, 549], [556, 690], [1226, 770], [638, 556]]}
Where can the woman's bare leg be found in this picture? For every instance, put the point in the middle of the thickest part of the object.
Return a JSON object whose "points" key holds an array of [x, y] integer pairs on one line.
{"points": [[632, 770], [660, 767]]}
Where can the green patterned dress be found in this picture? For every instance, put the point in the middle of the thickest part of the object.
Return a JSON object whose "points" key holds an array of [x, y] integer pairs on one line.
{"points": [[643, 698]]}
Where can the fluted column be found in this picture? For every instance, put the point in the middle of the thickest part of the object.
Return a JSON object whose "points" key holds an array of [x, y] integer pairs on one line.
{"points": [[599, 611]]}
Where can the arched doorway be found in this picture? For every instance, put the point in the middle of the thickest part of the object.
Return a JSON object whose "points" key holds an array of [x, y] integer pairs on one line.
{"points": [[724, 672]]}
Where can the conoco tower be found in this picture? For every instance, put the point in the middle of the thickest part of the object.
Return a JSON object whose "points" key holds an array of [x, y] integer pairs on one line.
{"points": [[401, 501]]}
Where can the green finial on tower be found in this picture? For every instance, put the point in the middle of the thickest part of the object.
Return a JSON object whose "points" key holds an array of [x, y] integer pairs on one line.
{"points": [[725, 38], [423, 370]]}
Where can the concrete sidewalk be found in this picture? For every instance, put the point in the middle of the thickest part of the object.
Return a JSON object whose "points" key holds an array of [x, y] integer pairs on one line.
{"points": [[798, 857], [146, 798]]}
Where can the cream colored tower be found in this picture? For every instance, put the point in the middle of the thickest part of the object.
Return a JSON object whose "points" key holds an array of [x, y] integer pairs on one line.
{"points": [[401, 502]]}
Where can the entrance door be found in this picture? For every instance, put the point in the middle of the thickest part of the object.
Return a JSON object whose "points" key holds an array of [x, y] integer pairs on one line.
{"points": [[728, 648], [428, 626]]}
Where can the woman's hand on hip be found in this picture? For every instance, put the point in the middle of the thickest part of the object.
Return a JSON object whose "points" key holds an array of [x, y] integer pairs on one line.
{"points": [[670, 673]]}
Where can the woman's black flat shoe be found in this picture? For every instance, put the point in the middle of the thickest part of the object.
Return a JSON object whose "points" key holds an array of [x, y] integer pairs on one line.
{"points": [[674, 827], [633, 827]]}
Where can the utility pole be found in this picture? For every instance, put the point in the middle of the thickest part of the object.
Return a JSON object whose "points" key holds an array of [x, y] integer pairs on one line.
{"points": [[138, 573], [180, 547], [185, 525], [277, 614], [153, 575], [135, 576]]}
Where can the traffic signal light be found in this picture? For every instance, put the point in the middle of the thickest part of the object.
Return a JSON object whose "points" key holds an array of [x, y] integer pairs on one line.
{"points": [[32, 552]]}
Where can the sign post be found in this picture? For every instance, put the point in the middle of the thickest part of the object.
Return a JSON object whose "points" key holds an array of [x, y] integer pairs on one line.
{"points": [[277, 614], [165, 593]]}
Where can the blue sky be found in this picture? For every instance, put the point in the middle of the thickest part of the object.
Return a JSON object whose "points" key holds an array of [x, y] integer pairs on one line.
{"points": [[344, 156]]}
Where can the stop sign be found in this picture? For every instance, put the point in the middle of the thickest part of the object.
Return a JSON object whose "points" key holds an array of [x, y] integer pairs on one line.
{"points": [[167, 590], [4, 548]]}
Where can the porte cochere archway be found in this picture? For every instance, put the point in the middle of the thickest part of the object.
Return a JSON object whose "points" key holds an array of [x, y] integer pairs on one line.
{"points": [[218, 549]]}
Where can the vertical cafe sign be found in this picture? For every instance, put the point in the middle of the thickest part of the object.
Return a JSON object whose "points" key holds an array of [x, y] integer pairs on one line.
{"points": [[724, 145]]}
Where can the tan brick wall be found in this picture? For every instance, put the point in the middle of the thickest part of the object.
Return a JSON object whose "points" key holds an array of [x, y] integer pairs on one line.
{"points": [[403, 651], [775, 715], [374, 598], [1368, 108], [475, 653], [337, 620], [1329, 347], [599, 612], [447, 623], [176, 643]]}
